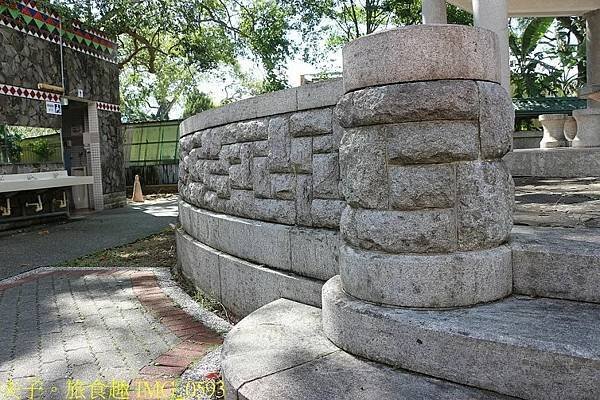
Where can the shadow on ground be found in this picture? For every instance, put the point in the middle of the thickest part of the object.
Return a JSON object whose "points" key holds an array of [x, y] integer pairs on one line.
{"points": [[52, 244]]}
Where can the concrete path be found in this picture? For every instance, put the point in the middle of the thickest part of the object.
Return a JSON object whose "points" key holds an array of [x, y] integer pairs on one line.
{"points": [[67, 334], [52, 244]]}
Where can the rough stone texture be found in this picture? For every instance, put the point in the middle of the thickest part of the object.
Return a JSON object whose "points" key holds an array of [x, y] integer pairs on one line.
{"points": [[280, 352], [427, 53], [326, 176], [409, 102], [311, 123], [26, 61], [496, 120], [244, 286], [266, 169], [315, 95], [363, 167], [422, 186], [320, 94], [421, 231], [251, 350], [314, 253], [486, 195], [327, 212], [305, 251], [418, 280], [111, 153], [556, 262], [199, 263], [432, 142], [554, 163], [534, 348]]}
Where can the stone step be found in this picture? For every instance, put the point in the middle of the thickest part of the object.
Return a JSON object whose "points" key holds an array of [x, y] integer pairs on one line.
{"points": [[556, 262], [538, 349], [279, 352]]}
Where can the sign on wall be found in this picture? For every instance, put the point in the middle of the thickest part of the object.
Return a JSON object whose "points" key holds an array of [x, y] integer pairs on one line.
{"points": [[53, 108]]}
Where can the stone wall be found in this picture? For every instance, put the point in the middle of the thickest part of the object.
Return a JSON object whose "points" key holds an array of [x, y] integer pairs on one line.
{"points": [[259, 182], [410, 172], [27, 60]]}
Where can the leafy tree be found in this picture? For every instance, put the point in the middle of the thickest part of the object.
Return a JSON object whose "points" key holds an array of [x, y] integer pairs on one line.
{"points": [[10, 145], [530, 61], [196, 102], [548, 56]]}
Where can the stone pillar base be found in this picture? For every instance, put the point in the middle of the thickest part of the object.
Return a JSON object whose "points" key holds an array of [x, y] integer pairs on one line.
{"points": [[554, 128], [588, 128]]}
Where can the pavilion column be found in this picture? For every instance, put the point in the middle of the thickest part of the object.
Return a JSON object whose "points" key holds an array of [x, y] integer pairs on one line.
{"points": [[493, 15], [593, 52], [434, 12], [588, 120]]}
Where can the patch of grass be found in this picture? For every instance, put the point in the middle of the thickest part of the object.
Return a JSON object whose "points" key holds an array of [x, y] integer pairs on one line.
{"points": [[207, 302], [157, 250]]}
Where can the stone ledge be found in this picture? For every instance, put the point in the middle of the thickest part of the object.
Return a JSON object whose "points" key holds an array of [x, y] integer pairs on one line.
{"points": [[554, 163], [241, 286], [537, 349], [280, 352], [307, 252], [427, 52], [417, 280], [315, 95], [556, 262]]}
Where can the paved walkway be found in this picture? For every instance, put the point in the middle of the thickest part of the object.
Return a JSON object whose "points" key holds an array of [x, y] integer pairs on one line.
{"points": [[84, 334], [52, 244]]}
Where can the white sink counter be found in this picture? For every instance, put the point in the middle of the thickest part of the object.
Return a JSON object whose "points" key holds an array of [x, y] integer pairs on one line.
{"points": [[41, 180]]}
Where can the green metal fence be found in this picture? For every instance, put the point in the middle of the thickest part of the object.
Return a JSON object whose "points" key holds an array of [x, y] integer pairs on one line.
{"points": [[151, 151], [151, 143]]}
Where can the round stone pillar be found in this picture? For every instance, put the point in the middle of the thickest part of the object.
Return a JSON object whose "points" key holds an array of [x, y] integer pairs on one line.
{"points": [[493, 15], [554, 131], [592, 20], [434, 12], [429, 198]]}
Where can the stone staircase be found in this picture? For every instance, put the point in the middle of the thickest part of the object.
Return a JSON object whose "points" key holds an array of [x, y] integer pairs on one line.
{"points": [[414, 315]]}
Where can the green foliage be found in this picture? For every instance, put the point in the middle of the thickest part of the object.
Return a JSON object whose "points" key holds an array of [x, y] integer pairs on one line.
{"points": [[545, 54], [10, 145], [196, 102], [41, 148]]}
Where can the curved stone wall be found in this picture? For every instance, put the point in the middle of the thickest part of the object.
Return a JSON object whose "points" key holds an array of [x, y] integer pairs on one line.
{"points": [[260, 197], [427, 202]]}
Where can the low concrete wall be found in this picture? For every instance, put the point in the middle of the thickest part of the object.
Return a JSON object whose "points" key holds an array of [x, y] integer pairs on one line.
{"points": [[259, 182], [563, 162], [527, 139]]}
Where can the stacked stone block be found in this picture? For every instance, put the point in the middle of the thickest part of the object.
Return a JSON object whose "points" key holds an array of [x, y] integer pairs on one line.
{"points": [[429, 200], [282, 168]]}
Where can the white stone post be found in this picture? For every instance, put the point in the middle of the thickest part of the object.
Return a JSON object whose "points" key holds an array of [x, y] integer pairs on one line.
{"points": [[554, 131], [493, 15], [434, 12], [588, 120], [593, 52]]}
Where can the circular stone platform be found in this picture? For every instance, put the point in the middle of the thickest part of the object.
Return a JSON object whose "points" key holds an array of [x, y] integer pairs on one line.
{"points": [[280, 352]]}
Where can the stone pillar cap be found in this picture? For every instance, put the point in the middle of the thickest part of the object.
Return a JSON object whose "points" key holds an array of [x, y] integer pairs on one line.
{"points": [[421, 53]]}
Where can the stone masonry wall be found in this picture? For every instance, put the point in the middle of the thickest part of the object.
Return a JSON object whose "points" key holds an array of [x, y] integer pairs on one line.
{"points": [[408, 173], [281, 169], [260, 197]]}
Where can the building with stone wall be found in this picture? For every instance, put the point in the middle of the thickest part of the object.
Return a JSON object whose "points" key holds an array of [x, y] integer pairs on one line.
{"points": [[47, 62]]}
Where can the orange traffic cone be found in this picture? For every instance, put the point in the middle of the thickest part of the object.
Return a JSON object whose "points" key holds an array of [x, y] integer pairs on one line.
{"points": [[138, 196]]}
